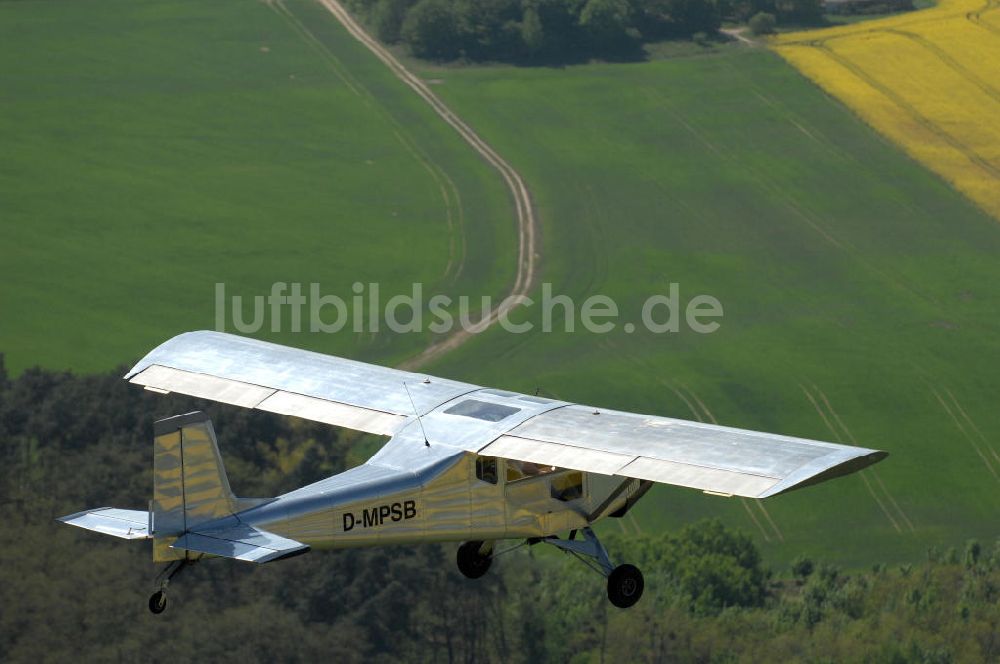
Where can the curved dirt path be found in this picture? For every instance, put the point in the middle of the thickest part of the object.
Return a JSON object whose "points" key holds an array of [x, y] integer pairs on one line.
{"points": [[526, 222]]}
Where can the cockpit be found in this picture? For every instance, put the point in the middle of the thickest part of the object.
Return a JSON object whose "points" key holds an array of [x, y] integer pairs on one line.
{"points": [[564, 485]]}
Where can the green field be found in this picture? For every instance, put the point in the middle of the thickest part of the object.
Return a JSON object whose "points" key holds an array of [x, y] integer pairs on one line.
{"points": [[154, 149], [843, 267]]}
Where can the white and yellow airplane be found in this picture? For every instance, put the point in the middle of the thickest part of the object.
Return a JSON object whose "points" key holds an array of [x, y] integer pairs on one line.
{"points": [[464, 463]]}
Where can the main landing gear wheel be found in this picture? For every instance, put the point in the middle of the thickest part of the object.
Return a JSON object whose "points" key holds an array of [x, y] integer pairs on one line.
{"points": [[158, 602], [472, 562], [625, 586]]}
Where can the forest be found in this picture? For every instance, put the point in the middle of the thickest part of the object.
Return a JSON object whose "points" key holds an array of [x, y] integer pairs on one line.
{"points": [[74, 441], [554, 31]]}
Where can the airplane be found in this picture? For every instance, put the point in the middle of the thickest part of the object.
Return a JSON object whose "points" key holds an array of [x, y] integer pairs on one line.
{"points": [[463, 464]]}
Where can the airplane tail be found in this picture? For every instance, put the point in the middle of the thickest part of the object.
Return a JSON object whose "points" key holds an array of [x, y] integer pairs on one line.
{"points": [[190, 490], [190, 486]]}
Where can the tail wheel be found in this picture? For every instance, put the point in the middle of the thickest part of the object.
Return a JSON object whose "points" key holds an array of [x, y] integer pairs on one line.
{"points": [[471, 562], [158, 602], [625, 585]]}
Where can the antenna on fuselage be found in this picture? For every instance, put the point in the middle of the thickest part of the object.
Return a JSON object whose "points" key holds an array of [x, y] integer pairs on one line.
{"points": [[415, 412]]}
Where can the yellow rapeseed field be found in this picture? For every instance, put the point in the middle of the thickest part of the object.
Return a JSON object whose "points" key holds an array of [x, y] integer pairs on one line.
{"points": [[929, 80]]}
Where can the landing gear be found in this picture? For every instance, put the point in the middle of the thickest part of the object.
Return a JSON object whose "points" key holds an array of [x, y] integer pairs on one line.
{"points": [[625, 586], [475, 558], [625, 582], [158, 600]]}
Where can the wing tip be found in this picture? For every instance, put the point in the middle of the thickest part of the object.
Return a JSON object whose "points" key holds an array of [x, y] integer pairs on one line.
{"points": [[846, 467], [149, 357]]}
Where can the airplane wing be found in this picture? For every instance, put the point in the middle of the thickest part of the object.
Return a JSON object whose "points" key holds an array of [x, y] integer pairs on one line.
{"points": [[366, 397], [289, 381], [701, 456]]}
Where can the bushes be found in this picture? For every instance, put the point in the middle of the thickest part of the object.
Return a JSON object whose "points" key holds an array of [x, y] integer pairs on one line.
{"points": [[387, 18], [762, 23], [535, 30], [434, 29]]}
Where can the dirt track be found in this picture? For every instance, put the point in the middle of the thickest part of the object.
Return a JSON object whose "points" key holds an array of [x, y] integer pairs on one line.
{"points": [[526, 222]]}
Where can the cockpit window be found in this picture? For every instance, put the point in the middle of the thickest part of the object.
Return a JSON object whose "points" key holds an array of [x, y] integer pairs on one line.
{"points": [[522, 470], [568, 487], [482, 410], [486, 469]]}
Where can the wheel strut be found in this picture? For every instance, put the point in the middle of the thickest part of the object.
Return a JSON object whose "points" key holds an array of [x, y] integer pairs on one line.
{"points": [[158, 600], [625, 582]]}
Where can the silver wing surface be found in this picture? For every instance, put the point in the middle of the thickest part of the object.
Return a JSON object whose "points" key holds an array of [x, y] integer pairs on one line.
{"points": [[256, 374], [701, 456], [356, 395], [127, 524]]}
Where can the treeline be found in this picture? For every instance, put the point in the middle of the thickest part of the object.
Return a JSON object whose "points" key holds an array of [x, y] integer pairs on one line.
{"points": [[558, 30], [69, 442]]}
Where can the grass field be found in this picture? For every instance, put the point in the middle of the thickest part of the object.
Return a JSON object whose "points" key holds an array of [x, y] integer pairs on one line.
{"points": [[928, 80], [859, 290], [152, 149]]}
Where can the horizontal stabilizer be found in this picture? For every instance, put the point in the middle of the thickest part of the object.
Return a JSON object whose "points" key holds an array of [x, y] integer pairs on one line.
{"points": [[241, 542], [127, 524]]}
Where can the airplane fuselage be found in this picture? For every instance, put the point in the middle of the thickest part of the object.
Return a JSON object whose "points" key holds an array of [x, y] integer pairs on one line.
{"points": [[451, 500]]}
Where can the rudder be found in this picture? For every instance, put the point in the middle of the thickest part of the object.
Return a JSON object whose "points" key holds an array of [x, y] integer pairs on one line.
{"points": [[190, 486]]}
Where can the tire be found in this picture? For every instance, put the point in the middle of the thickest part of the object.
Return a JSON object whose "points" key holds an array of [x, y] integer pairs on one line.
{"points": [[157, 602], [625, 585], [471, 563]]}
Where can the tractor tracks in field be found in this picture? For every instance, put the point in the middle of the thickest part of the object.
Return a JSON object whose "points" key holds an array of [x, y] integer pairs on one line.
{"points": [[950, 62], [886, 502], [967, 427], [823, 46], [939, 53], [454, 212], [909, 109], [527, 224], [976, 16]]}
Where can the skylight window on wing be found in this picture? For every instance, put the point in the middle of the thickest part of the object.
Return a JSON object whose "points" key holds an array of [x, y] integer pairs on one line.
{"points": [[482, 410]]}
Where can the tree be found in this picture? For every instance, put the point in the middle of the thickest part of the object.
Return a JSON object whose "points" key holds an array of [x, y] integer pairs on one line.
{"points": [[434, 29], [607, 22], [532, 33], [691, 16], [493, 30], [743, 10], [762, 23], [708, 565], [802, 567], [799, 11], [972, 551], [387, 18], [565, 39]]}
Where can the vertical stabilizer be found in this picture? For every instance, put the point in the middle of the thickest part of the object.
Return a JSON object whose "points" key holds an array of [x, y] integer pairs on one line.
{"points": [[190, 486]]}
